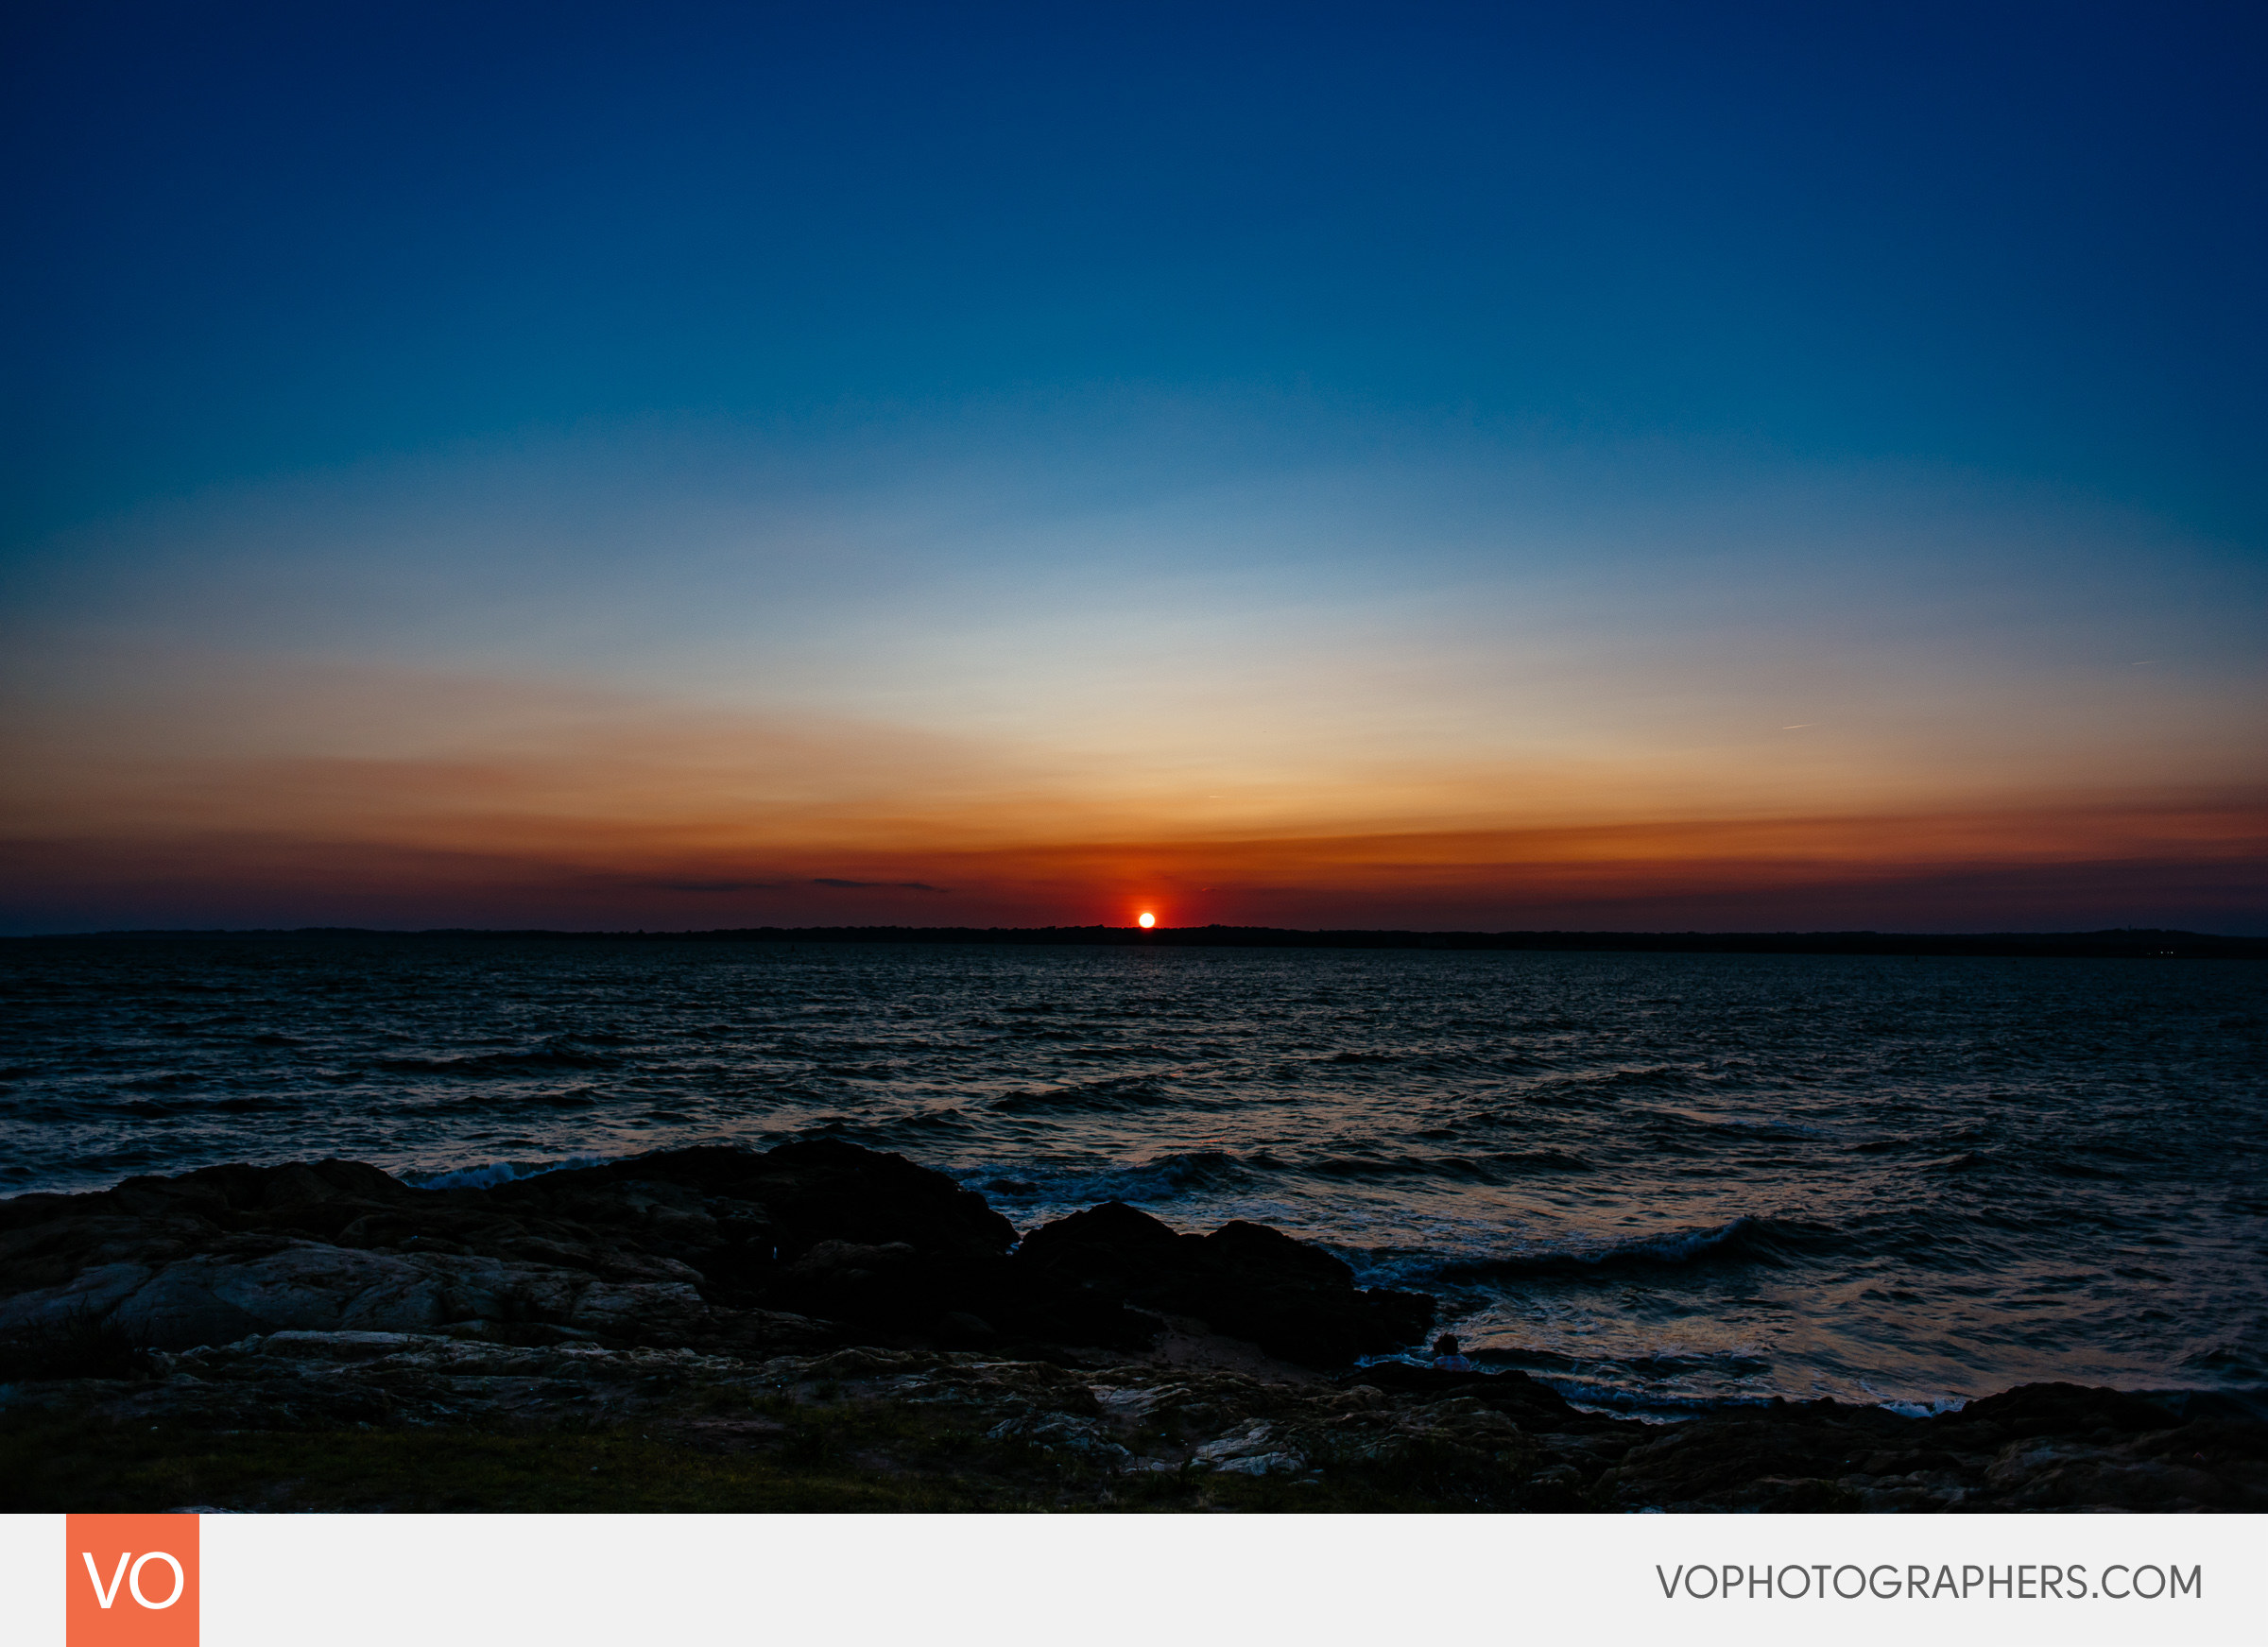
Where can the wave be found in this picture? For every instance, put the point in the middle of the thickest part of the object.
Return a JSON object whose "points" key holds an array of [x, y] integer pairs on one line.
{"points": [[165, 1081], [1375, 1169], [491, 1174], [802, 1046], [1764, 1241], [1489, 1169], [1163, 1178], [1932, 1408], [2234, 1362], [1658, 1078], [551, 1056], [927, 1121], [1544, 1160], [1120, 1093], [1739, 1126]]}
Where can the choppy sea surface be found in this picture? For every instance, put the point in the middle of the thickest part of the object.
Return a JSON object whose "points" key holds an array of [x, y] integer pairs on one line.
{"points": [[1652, 1180]]}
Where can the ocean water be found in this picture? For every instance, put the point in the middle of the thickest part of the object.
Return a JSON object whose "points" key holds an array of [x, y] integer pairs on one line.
{"points": [[1652, 1180]]}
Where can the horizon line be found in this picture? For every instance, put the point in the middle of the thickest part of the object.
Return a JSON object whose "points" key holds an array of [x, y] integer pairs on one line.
{"points": [[2105, 942]]}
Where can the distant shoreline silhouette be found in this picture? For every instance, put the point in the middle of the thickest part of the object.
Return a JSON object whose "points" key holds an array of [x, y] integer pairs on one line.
{"points": [[2113, 943]]}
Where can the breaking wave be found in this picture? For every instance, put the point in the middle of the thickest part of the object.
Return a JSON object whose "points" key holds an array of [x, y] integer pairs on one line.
{"points": [[491, 1174]]}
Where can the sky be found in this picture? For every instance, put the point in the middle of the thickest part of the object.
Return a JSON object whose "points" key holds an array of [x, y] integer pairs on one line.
{"points": [[1615, 467]]}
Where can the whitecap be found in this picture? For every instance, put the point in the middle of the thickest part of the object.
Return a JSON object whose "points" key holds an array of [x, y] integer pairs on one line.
{"points": [[491, 1174]]}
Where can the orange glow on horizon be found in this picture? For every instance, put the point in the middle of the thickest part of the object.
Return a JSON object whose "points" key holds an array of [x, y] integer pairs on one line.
{"points": [[403, 799]]}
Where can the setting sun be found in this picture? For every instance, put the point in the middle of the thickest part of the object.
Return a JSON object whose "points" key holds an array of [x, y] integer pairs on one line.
{"points": [[1147, 919]]}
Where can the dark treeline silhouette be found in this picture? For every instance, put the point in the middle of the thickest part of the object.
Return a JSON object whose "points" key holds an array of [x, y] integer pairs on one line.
{"points": [[2136, 942]]}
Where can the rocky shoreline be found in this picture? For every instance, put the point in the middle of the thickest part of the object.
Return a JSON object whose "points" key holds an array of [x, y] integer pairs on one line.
{"points": [[797, 1328]]}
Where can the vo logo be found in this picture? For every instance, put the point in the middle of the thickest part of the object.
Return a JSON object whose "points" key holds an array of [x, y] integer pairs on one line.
{"points": [[130, 1581]]}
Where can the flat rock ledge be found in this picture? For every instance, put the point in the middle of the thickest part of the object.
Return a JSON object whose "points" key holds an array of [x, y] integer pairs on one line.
{"points": [[720, 1299]]}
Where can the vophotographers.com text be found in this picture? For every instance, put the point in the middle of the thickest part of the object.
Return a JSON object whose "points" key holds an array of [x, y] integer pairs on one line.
{"points": [[1889, 1582]]}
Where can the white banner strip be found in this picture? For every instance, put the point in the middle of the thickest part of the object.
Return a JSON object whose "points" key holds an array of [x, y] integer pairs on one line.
{"points": [[1167, 1581]]}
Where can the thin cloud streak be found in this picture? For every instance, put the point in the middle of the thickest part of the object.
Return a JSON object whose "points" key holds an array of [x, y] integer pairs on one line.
{"points": [[2057, 867], [580, 807]]}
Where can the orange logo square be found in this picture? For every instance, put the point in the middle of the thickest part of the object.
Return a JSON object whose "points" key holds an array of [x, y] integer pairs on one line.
{"points": [[129, 1580]]}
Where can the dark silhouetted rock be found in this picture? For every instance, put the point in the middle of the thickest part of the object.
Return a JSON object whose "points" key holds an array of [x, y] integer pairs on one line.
{"points": [[2031, 1410], [829, 1190], [1699, 1462], [1245, 1279], [1110, 1248], [1533, 1406], [682, 1247]]}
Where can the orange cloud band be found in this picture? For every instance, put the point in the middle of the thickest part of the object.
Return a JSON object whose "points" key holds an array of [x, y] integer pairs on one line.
{"points": [[389, 800], [2051, 865]]}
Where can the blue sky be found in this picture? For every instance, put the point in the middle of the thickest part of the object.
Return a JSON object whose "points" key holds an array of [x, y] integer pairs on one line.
{"points": [[1551, 404], [2025, 239]]}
